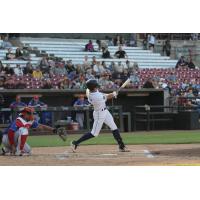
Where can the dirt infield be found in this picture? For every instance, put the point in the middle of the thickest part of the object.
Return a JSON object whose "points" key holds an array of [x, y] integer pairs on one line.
{"points": [[106, 155]]}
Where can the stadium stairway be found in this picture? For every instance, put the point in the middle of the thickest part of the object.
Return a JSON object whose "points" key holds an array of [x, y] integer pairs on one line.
{"points": [[74, 50]]}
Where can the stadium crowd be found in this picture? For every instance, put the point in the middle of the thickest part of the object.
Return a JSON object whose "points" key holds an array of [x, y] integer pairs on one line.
{"points": [[54, 73]]}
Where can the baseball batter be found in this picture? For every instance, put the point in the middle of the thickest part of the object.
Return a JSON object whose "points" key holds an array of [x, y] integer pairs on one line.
{"points": [[101, 115], [14, 137]]}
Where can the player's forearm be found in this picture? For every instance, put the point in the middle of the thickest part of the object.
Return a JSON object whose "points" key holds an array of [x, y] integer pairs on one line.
{"points": [[45, 127], [111, 95]]}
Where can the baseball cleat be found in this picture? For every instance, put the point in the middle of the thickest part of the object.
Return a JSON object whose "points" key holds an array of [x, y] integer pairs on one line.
{"points": [[73, 146], [2, 151], [123, 149], [19, 153]]}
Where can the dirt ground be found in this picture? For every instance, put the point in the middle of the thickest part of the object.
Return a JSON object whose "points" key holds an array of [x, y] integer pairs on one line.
{"points": [[106, 155]]}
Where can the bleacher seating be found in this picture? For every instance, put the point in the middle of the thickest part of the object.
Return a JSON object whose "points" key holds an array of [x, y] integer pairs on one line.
{"points": [[74, 50]]}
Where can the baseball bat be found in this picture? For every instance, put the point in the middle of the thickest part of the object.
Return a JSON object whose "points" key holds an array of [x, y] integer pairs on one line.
{"points": [[124, 84]]}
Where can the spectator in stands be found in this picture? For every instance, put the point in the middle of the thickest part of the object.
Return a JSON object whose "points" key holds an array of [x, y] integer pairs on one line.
{"points": [[28, 69], [125, 75], [189, 93], [79, 69], [47, 84], [5, 43], [181, 63], [10, 55], [89, 47], [119, 68], [19, 54], [65, 84], [89, 74], [151, 41], [59, 69], [44, 65], [118, 40], [128, 65], [105, 53], [86, 63], [17, 103], [172, 77], [70, 67], [9, 70], [18, 70], [76, 84], [120, 53], [191, 65], [148, 84], [94, 61], [98, 69], [80, 102], [105, 66], [98, 42], [104, 80], [194, 36], [134, 77], [37, 73], [112, 66], [132, 41], [184, 84], [167, 48], [110, 42], [81, 83], [26, 54]]}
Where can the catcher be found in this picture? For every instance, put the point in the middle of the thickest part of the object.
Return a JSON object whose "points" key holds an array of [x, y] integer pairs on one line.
{"points": [[15, 136]]}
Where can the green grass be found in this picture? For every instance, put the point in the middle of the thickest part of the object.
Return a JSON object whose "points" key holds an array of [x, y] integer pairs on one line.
{"points": [[161, 137]]}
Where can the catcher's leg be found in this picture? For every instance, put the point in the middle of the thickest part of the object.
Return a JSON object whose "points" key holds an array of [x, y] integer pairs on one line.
{"points": [[6, 145], [22, 147]]}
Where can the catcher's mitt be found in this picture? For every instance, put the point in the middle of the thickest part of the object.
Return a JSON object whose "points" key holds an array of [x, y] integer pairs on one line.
{"points": [[61, 131]]}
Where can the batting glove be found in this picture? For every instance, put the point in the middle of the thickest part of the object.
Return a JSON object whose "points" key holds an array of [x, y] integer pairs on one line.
{"points": [[115, 94]]}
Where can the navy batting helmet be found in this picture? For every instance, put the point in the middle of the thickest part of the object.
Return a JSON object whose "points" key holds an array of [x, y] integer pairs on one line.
{"points": [[91, 84]]}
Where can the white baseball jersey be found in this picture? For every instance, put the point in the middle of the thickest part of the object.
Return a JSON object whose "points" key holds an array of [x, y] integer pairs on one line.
{"points": [[101, 114]]}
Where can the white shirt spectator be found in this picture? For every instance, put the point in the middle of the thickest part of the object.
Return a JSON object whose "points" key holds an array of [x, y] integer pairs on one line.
{"points": [[151, 39], [18, 71], [119, 67], [98, 68]]}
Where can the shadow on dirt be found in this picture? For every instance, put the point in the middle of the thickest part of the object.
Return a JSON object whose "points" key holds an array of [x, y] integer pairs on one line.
{"points": [[194, 152]]}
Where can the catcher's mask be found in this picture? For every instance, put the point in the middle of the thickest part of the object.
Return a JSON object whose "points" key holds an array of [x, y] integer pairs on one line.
{"points": [[28, 113]]}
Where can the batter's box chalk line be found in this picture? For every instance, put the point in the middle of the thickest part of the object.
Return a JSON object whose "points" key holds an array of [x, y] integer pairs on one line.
{"points": [[115, 154]]}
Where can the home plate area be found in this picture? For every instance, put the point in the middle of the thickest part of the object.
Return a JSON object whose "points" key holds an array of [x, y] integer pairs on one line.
{"points": [[108, 155]]}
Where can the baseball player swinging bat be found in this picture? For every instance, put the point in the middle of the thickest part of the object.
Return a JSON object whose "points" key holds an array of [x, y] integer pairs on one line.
{"points": [[101, 115]]}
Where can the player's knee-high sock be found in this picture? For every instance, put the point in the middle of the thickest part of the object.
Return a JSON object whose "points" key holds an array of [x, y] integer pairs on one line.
{"points": [[85, 137], [23, 141], [118, 138]]}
